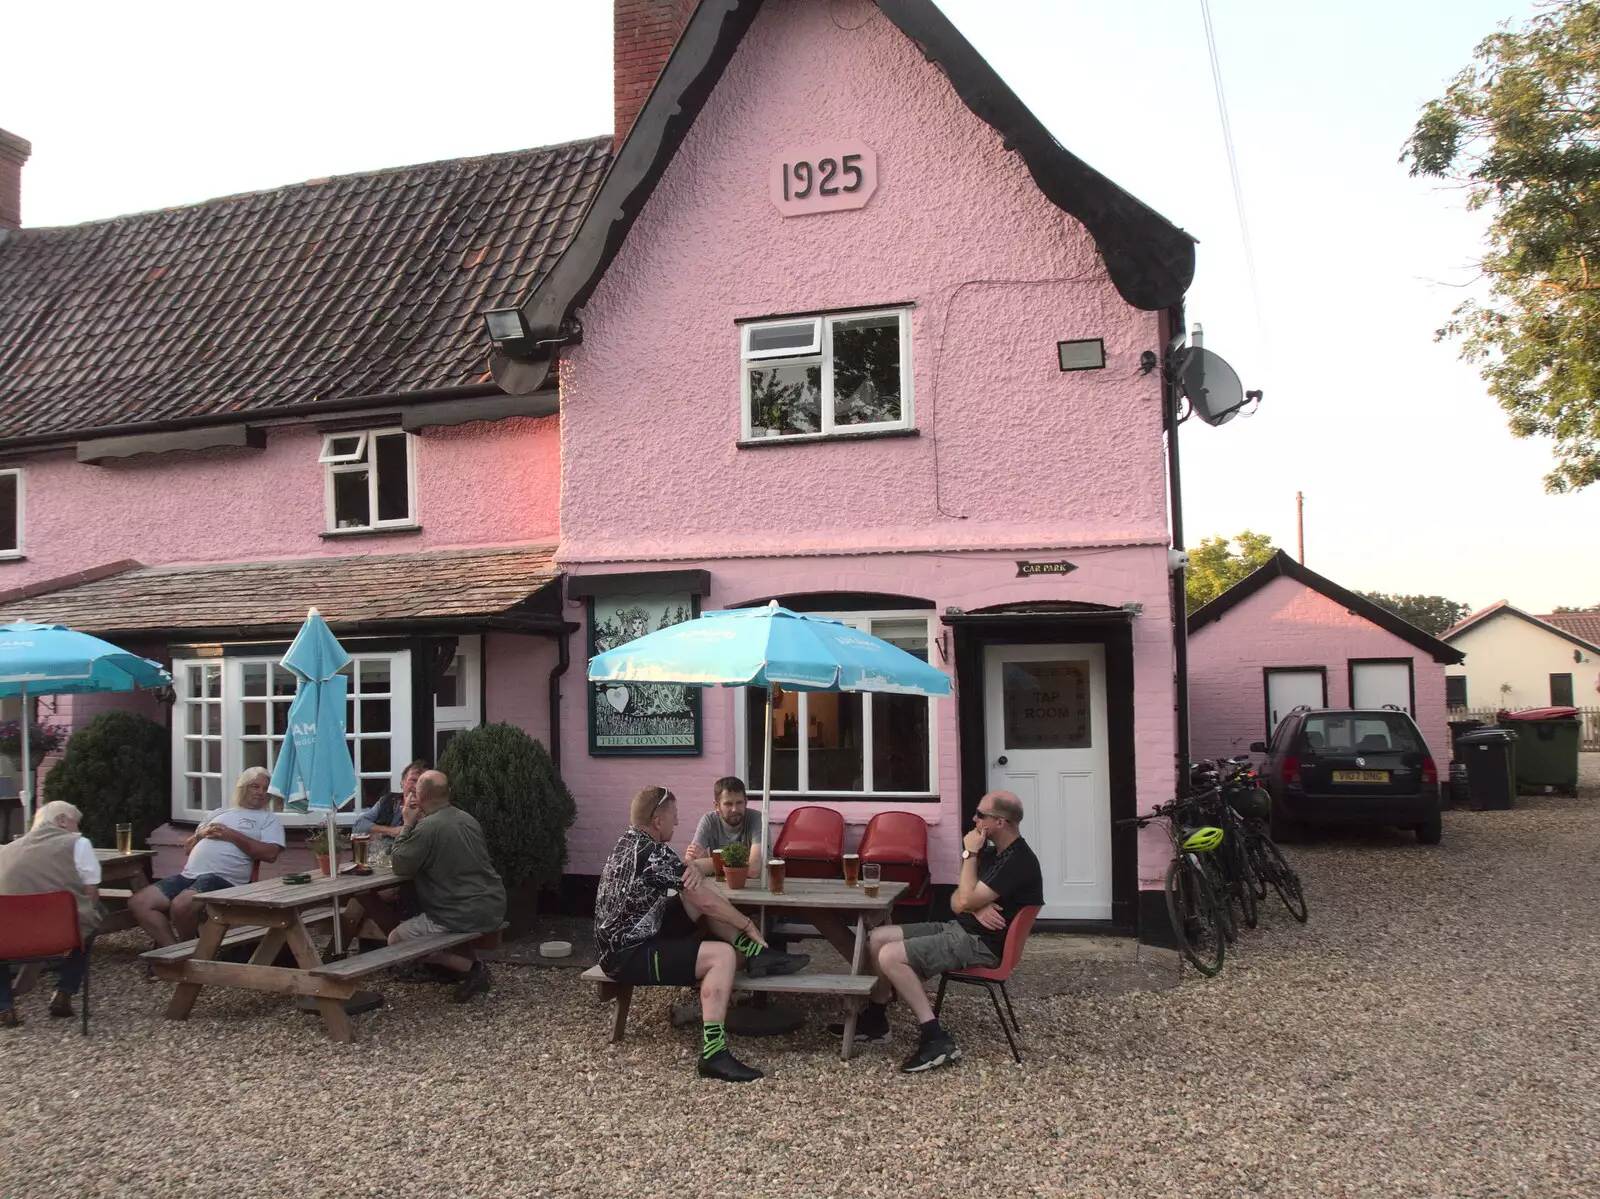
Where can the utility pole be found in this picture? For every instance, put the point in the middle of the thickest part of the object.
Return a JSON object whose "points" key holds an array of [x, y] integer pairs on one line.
{"points": [[1300, 523]]}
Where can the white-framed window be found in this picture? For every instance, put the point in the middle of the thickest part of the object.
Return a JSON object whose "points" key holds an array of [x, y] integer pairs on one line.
{"points": [[233, 713], [369, 480], [457, 695], [11, 513], [821, 376], [844, 744]]}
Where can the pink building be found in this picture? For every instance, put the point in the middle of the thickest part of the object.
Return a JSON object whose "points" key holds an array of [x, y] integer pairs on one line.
{"points": [[1287, 636], [838, 323]]}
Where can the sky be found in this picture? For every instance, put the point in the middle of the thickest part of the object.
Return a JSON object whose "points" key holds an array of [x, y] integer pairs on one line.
{"points": [[1412, 482]]}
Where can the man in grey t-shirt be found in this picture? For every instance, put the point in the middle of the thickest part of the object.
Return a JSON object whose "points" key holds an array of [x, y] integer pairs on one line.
{"points": [[729, 820]]}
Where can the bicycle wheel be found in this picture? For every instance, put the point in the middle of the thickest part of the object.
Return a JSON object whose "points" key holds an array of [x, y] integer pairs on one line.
{"points": [[1242, 872], [1193, 911], [1211, 867], [1254, 835], [1284, 880]]}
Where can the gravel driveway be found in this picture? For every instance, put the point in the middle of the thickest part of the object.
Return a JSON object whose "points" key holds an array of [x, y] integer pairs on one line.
{"points": [[1432, 1031]]}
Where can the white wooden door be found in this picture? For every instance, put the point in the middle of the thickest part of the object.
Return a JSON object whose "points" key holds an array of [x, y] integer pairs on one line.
{"points": [[1288, 689], [1045, 716], [1373, 684]]}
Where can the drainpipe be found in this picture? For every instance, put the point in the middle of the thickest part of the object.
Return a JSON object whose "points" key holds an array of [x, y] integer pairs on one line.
{"points": [[1180, 617], [563, 660]]}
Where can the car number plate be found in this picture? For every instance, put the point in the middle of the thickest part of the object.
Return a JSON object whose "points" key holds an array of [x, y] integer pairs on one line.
{"points": [[1361, 776]]}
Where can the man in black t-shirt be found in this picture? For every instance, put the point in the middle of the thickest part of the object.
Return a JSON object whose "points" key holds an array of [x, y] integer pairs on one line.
{"points": [[999, 877]]}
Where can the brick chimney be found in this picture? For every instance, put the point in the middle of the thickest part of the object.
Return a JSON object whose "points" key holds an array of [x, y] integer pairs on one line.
{"points": [[13, 153], [644, 32]]}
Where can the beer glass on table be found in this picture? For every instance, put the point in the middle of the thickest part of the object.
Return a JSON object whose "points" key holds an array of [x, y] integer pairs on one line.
{"points": [[852, 869], [775, 874], [716, 862], [358, 849], [124, 838], [871, 876]]}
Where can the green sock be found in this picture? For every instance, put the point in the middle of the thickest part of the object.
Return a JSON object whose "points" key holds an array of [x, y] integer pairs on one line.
{"points": [[746, 946], [713, 1038]]}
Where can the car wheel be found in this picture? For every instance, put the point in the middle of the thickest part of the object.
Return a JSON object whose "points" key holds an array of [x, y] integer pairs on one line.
{"points": [[1431, 830]]}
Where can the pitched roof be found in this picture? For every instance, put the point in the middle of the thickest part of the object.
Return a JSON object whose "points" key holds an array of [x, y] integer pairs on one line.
{"points": [[1281, 565], [1150, 260], [1555, 624], [357, 285], [260, 599]]}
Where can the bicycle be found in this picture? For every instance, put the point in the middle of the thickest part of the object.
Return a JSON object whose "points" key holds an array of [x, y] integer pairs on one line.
{"points": [[1271, 868], [1193, 905], [1239, 879]]}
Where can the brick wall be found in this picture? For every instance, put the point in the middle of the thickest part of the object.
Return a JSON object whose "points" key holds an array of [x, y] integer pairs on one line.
{"points": [[644, 32]]}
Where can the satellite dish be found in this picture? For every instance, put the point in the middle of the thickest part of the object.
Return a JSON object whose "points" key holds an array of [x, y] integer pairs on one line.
{"points": [[1211, 386]]}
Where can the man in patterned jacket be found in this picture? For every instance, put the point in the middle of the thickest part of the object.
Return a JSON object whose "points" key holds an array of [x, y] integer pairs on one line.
{"points": [[649, 937]]}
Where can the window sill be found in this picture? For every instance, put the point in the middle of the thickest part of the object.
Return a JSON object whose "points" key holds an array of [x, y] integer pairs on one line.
{"points": [[381, 531], [767, 443], [13, 556]]}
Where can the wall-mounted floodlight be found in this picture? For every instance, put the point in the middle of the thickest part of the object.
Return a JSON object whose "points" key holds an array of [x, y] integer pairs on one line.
{"points": [[507, 327], [1087, 354]]}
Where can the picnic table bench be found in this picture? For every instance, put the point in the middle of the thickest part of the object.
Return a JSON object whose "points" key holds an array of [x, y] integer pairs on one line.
{"points": [[121, 874]]}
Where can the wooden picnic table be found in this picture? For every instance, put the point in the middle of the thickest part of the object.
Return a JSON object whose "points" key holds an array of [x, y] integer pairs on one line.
{"points": [[278, 910], [123, 872], [832, 893]]}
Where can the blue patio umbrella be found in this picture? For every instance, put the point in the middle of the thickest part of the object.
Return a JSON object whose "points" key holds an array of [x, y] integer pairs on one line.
{"points": [[767, 647], [51, 659]]}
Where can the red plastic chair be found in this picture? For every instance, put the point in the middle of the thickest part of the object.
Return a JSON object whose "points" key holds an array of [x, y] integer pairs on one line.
{"points": [[994, 977], [812, 843], [42, 928], [898, 841]]}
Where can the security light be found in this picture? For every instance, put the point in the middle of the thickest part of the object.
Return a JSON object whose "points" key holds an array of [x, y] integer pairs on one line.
{"points": [[506, 325], [1087, 354]]}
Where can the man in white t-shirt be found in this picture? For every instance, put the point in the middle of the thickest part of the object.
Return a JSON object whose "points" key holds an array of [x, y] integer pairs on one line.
{"points": [[222, 852]]}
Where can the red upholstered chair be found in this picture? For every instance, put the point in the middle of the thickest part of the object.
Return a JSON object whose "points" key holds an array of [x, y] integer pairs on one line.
{"points": [[898, 841], [994, 977], [41, 928], [812, 843]]}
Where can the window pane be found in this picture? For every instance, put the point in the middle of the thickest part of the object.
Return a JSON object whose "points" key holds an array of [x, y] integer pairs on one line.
{"points": [[344, 447], [196, 793], [866, 370], [374, 755], [448, 692], [212, 685], [900, 743], [374, 676], [255, 719], [283, 681], [196, 756], [799, 336], [833, 741], [374, 716], [280, 718], [195, 721], [350, 509], [213, 756], [1046, 705], [909, 635], [255, 678], [785, 747], [255, 754], [214, 718], [785, 400], [8, 512], [442, 738], [213, 793], [394, 489]]}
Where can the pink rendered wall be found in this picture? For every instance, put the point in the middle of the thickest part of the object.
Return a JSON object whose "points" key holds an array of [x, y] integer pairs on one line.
{"points": [[1288, 624], [518, 683], [485, 483], [603, 785], [1011, 450]]}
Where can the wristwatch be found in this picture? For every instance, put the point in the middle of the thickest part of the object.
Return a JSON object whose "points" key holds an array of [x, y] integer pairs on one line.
{"points": [[965, 853]]}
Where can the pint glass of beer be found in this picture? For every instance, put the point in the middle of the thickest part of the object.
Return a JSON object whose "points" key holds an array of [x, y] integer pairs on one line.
{"points": [[124, 838], [358, 848], [775, 874], [871, 876], [852, 869], [716, 862]]}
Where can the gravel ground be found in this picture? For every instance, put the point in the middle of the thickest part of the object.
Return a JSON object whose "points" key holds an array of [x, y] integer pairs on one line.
{"points": [[1430, 1032]]}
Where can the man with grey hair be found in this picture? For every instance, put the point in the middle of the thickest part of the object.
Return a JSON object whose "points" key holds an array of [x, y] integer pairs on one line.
{"points": [[51, 858], [223, 852], [1000, 875]]}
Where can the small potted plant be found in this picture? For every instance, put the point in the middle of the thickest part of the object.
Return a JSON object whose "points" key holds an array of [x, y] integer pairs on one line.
{"points": [[736, 864], [319, 846]]}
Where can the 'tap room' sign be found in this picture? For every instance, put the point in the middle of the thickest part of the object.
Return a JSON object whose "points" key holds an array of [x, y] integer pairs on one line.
{"points": [[829, 177]]}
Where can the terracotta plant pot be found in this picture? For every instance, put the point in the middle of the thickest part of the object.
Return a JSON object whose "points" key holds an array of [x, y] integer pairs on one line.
{"points": [[736, 876], [322, 863]]}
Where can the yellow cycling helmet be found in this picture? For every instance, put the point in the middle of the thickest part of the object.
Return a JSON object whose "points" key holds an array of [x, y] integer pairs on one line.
{"points": [[1203, 840]]}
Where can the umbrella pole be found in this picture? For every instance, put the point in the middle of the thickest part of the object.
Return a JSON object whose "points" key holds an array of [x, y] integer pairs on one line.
{"points": [[766, 801], [27, 757], [333, 872]]}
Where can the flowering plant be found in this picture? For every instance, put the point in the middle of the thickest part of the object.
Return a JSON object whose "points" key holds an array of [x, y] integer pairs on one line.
{"points": [[41, 740]]}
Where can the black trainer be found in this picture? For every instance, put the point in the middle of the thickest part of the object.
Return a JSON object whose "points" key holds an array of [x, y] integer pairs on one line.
{"points": [[722, 1064], [871, 1025], [932, 1053], [475, 983], [771, 962]]}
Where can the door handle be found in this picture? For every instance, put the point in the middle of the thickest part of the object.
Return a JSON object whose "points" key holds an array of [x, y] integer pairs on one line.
{"points": [[1001, 760]]}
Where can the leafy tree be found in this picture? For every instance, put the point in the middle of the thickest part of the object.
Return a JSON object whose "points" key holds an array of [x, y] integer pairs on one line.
{"points": [[1214, 566], [115, 772], [1571, 611], [1518, 128], [1430, 613], [506, 779]]}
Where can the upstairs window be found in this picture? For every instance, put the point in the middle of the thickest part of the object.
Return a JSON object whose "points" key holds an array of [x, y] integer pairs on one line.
{"points": [[370, 481], [822, 376], [10, 514]]}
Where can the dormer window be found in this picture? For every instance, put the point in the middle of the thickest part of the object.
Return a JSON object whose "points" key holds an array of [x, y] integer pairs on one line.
{"points": [[369, 480], [826, 376]]}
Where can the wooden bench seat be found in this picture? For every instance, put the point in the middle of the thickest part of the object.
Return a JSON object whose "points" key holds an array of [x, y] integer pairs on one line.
{"points": [[852, 986], [234, 936], [412, 950], [121, 893]]}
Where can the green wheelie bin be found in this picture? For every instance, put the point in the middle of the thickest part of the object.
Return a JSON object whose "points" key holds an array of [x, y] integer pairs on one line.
{"points": [[1547, 748]]}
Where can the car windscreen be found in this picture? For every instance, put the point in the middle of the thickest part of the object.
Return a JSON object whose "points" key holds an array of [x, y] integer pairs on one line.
{"points": [[1359, 733]]}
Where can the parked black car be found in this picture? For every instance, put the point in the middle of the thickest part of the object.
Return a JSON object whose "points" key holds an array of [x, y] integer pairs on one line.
{"points": [[1350, 766]]}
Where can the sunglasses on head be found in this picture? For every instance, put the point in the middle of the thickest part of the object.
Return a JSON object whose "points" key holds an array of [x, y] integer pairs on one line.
{"points": [[666, 798]]}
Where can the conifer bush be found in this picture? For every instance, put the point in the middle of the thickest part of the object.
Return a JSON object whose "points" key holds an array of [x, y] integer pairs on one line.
{"points": [[506, 780], [115, 771]]}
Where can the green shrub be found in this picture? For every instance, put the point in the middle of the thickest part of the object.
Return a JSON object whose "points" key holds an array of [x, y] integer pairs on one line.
{"points": [[506, 779], [115, 772]]}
